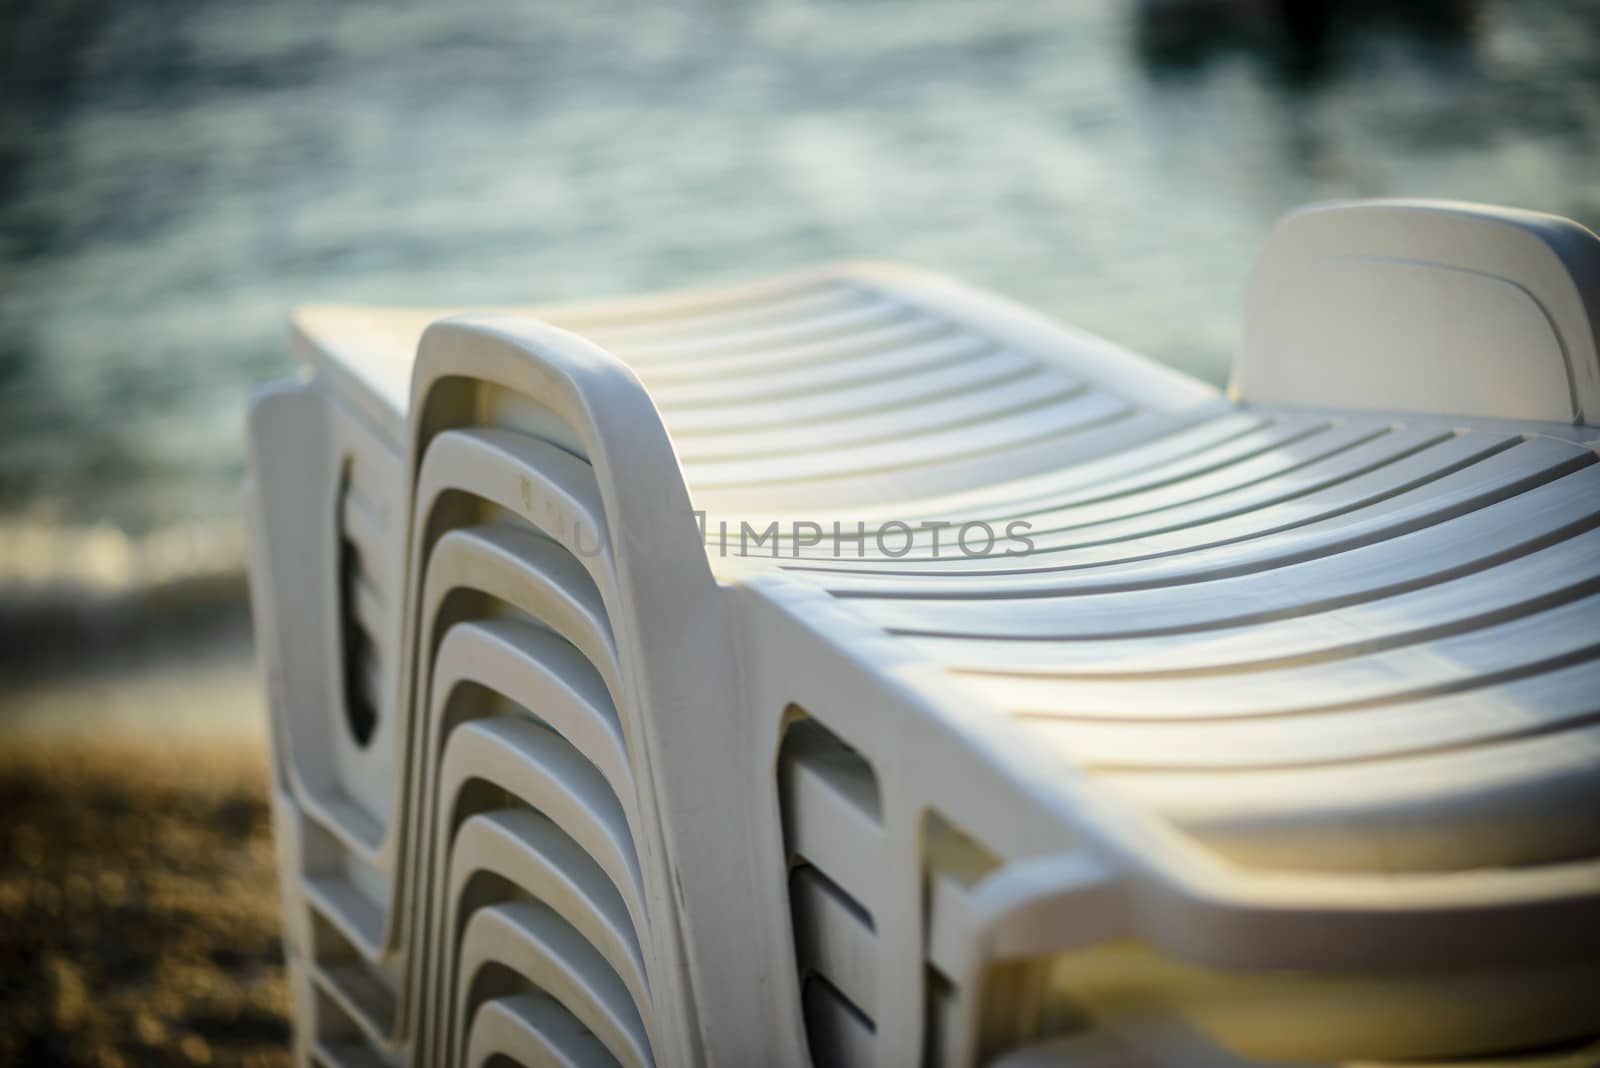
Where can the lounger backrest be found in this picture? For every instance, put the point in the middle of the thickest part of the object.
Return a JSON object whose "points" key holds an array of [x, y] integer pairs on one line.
{"points": [[1426, 306]]}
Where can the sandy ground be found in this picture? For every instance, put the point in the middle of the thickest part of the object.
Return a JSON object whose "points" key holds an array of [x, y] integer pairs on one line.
{"points": [[138, 893], [138, 907]]}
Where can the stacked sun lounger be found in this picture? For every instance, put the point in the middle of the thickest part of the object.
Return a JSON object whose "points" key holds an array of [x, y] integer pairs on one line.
{"points": [[855, 669]]}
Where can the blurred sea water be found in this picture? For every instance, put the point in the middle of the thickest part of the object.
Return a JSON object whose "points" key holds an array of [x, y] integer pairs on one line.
{"points": [[175, 176]]}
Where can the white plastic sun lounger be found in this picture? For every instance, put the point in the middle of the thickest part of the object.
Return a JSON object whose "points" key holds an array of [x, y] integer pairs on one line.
{"points": [[855, 669]]}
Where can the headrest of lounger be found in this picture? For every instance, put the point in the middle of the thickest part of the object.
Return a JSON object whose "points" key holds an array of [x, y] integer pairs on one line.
{"points": [[1431, 306]]}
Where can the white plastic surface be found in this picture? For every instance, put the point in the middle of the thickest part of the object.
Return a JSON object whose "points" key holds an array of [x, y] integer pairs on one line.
{"points": [[1424, 306], [1278, 747]]}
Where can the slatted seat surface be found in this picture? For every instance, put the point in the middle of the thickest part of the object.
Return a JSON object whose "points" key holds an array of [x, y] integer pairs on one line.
{"points": [[1216, 599], [824, 390]]}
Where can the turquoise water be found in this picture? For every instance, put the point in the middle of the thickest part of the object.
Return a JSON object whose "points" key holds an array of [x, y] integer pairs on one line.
{"points": [[174, 177]]}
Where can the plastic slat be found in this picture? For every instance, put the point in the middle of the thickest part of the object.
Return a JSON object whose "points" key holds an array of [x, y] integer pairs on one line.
{"points": [[1549, 576], [863, 343], [1011, 397], [1291, 695], [839, 1035], [1212, 494], [834, 937], [534, 942], [1506, 805], [543, 672], [831, 822], [531, 572], [532, 1030], [530, 851], [1469, 542], [820, 300], [1458, 480], [1059, 417], [545, 772], [771, 335]]}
